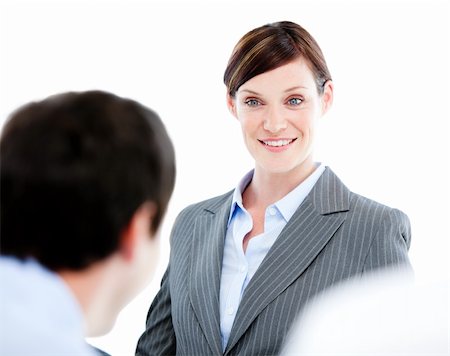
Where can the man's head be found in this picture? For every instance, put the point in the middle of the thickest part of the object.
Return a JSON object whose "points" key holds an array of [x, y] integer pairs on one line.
{"points": [[82, 175]]}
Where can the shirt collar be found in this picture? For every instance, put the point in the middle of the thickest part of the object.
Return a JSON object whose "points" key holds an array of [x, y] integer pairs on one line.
{"points": [[286, 205], [291, 201], [237, 195]]}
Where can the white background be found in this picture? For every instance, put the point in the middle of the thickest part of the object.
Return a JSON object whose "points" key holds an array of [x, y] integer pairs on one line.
{"points": [[387, 136]]}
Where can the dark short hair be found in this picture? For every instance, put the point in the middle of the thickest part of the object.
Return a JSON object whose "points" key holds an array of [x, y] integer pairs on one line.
{"points": [[74, 169], [269, 47]]}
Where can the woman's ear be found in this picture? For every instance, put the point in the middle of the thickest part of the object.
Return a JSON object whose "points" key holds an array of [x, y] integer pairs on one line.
{"points": [[327, 96], [231, 104], [138, 228]]}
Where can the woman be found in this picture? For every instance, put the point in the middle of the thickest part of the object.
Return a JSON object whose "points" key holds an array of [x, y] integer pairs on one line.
{"points": [[243, 264]]}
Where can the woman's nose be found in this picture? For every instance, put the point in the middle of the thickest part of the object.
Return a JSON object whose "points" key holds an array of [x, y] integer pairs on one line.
{"points": [[275, 121]]}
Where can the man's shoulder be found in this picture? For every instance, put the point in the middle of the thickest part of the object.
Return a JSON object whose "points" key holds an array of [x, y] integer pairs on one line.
{"points": [[27, 327]]}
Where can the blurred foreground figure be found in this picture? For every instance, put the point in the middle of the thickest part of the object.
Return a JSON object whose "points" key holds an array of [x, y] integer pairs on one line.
{"points": [[383, 314], [85, 182]]}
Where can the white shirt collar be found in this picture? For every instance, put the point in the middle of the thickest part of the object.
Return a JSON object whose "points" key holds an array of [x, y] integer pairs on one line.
{"points": [[286, 205]]}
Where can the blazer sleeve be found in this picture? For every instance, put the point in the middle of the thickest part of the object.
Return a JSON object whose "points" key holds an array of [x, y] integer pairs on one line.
{"points": [[390, 245], [159, 336]]}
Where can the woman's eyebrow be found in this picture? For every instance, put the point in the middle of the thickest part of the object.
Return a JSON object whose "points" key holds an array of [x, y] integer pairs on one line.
{"points": [[286, 91], [250, 91], [295, 88]]}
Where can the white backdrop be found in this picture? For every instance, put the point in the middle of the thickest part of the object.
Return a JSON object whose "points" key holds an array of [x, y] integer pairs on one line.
{"points": [[387, 135]]}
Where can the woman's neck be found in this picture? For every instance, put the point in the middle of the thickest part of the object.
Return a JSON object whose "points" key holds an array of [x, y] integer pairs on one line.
{"points": [[267, 187]]}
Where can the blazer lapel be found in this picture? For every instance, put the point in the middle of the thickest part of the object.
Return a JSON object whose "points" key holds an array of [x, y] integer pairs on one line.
{"points": [[302, 239], [206, 265]]}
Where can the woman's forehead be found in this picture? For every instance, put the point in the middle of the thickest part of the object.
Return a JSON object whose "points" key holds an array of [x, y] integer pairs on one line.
{"points": [[291, 76]]}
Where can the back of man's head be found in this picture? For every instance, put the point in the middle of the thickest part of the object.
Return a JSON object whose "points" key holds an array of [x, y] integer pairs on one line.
{"points": [[75, 167]]}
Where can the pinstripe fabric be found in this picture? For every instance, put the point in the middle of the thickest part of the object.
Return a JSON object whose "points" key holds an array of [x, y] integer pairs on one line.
{"points": [[334, 235]]}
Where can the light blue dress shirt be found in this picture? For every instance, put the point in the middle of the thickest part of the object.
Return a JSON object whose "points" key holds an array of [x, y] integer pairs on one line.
{"points": [[238, 267], [38, 313]]}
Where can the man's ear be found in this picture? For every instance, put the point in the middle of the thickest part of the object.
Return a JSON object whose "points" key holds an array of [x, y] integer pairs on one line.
{"points": [[137, 229], [327, 96], [231, 104]]}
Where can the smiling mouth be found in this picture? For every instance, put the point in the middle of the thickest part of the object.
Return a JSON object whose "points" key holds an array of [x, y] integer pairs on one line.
{"points": [[277, 143]]}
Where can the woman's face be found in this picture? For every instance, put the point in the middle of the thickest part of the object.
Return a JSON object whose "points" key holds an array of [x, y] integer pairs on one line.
{"points": [[277, 111]]}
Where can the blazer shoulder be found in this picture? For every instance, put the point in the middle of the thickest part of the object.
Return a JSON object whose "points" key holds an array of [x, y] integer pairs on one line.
{"points": [[203, 207], [331, 195], [361, 204], [383, 219], [185, 220], [390, 233]]}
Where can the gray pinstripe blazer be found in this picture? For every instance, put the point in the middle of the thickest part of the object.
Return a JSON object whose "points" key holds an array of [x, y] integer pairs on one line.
{"points": [[334, 234]]}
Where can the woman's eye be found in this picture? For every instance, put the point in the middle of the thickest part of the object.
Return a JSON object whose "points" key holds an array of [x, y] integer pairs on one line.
{"points": [[295, 101], [252, 102]]}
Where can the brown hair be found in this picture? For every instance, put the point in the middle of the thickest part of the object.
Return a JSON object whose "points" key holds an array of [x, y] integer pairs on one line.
{"points": [[269, 47]]}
